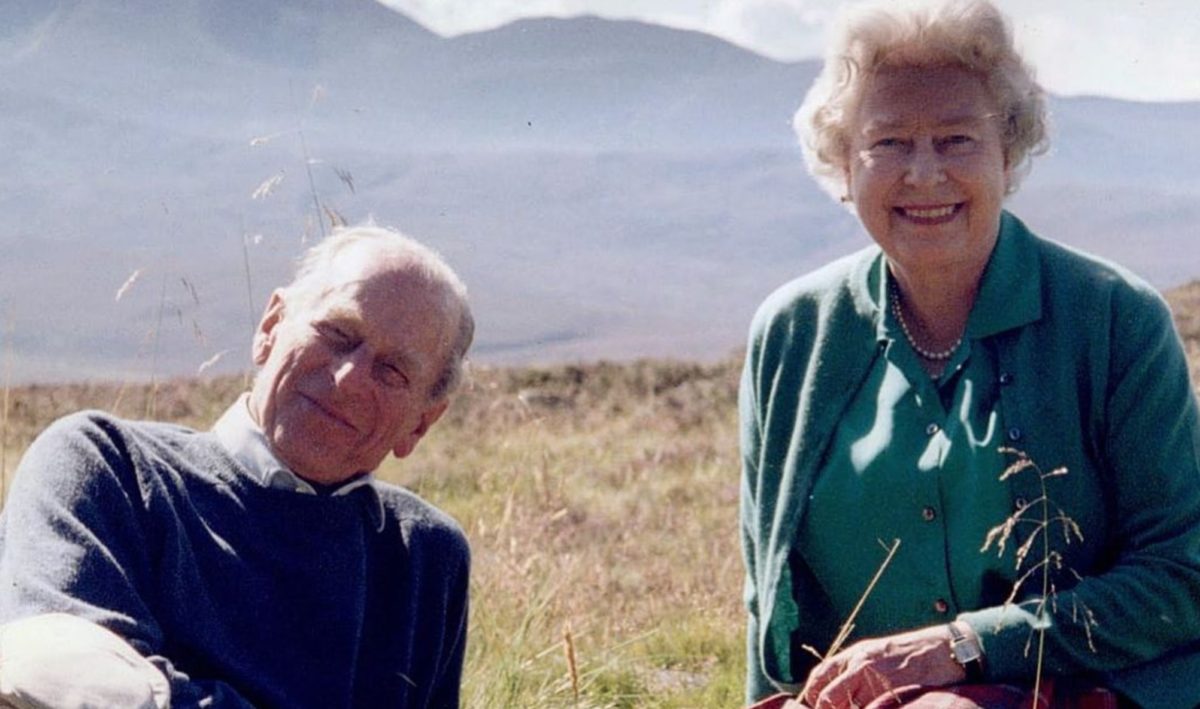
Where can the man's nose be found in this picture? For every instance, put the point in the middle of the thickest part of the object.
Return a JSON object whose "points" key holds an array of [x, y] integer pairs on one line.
{"points": [[352, 369]]}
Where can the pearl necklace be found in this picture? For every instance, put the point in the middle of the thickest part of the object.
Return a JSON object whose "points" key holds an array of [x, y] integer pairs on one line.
{"points": [[927, 354]]}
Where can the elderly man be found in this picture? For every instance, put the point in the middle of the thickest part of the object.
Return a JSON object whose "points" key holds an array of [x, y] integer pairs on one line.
{"points": [[258, 564]]}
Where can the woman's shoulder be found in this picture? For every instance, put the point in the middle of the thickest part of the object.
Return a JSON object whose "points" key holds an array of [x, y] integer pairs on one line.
{"points": [[1093, 295], [843, 279], [1073, 271]]}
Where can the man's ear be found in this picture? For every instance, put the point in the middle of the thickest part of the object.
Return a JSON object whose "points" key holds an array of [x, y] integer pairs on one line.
{"points": [[264, 336], [408, 441]]}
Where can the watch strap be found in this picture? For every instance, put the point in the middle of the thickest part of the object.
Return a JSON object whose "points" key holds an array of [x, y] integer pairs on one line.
{"points": [[967, 653]]}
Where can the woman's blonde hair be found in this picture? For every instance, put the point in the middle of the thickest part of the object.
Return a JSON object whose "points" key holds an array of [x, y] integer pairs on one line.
{"points": [[887, 34]]}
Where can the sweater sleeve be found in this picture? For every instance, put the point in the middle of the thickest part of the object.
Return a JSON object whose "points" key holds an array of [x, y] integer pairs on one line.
{"points": [[1148, 447], [446, 693], [74, 538], [757, 684]]}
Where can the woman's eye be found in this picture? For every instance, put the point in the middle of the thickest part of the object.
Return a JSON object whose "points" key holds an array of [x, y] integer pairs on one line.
{"points": [[888, 147], [957, 143]]}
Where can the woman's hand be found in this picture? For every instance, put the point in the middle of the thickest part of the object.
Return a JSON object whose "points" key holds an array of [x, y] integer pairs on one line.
{"points": [[876, 667]]}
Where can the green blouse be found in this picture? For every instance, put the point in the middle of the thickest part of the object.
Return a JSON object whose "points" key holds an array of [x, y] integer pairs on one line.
{"points": [[917, 461]]}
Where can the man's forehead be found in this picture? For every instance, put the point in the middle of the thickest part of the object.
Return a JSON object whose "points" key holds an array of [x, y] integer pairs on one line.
{"points": [[383, 294], [389, 299], [367, 259]]}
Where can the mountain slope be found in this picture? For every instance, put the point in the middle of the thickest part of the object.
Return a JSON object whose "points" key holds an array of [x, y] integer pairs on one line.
{"points": [[607, 189]]}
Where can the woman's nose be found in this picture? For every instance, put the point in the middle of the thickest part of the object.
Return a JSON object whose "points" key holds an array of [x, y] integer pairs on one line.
{"points": [[925, 167]]}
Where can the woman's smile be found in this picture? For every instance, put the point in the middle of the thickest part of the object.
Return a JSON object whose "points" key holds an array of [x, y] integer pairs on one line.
{"points": [[929, 215]]}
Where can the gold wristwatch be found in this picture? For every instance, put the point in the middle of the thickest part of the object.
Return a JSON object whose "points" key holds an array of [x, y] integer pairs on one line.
{"points": [[966, 652]]}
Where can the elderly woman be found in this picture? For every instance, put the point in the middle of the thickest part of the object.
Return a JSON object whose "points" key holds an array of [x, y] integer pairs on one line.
{"points": [[885, 395]]}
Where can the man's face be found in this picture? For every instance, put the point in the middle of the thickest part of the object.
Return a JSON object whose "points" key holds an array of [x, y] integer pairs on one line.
{"points": [[346, 373]]}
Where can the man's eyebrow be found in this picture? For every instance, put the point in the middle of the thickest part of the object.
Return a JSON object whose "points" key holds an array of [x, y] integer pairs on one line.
{"points": [[341, 314], [403, 359]]}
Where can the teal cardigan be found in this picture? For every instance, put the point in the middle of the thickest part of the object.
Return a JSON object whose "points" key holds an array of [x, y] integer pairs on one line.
{"points": [[1092, 377]]}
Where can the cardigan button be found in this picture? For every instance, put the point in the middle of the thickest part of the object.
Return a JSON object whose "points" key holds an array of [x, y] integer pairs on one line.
{"points": [[941, 607], [931, 429], [1006, 378], [1015, 434], [928, 514]]}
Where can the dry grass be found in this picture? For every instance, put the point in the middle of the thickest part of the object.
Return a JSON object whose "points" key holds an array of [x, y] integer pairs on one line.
{"points": [[1185, 303], [601, 499], [600, 502]]}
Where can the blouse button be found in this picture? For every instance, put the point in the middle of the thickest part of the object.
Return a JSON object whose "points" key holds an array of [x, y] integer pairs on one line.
{"points": [[1006, 378], [931, 429], [1014, 434], [1020, 503], [941, 607], [928, 514]]}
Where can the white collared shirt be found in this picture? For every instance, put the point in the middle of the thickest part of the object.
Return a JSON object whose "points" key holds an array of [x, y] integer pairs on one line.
{"points": [[244, 440]]}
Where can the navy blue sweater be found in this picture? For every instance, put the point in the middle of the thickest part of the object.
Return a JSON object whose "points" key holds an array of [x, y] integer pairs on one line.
{"points": [[243, 595]]}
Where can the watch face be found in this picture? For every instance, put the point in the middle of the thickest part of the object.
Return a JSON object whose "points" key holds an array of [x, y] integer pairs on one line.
{"points": [[965, 651]]}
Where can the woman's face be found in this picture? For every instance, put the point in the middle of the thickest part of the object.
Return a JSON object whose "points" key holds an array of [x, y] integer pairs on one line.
{"points": [[926, 167]]}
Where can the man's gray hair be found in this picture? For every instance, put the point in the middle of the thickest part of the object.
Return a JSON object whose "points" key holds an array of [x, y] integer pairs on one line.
{"points": [[309, 283]]}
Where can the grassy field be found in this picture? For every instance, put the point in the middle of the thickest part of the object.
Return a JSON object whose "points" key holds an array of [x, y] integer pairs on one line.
{"points": [[600, 502], [601, 505]]}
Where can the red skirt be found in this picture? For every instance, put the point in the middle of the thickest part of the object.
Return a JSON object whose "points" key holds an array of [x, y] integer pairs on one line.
{"points": [[976, 696]]}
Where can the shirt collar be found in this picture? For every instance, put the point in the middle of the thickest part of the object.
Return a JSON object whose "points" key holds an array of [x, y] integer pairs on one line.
{"points": [[241, 437], [1010, 289]]}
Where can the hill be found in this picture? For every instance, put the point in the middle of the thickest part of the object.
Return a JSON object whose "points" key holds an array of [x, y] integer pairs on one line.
{"points": [[607, 189]]}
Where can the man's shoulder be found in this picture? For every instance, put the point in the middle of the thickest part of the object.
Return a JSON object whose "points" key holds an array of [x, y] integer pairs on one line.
{"points": [[419, 518], [79, 446], [95, 424]]}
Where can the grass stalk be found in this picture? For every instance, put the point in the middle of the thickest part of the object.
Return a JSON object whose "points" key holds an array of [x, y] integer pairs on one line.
{"points": [[250, 309], [1046, 565], [8, 349], [152, 399], [1043, 514], [312, 183], [572, 665], [848, 626]]}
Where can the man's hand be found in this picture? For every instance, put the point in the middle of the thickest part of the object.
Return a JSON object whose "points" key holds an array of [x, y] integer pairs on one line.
{"points": [[56, 660], [876, 667]]}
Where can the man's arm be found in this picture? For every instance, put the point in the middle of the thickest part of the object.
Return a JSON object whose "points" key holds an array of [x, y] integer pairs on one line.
{"points": [[57, 660], [75, 538]]}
